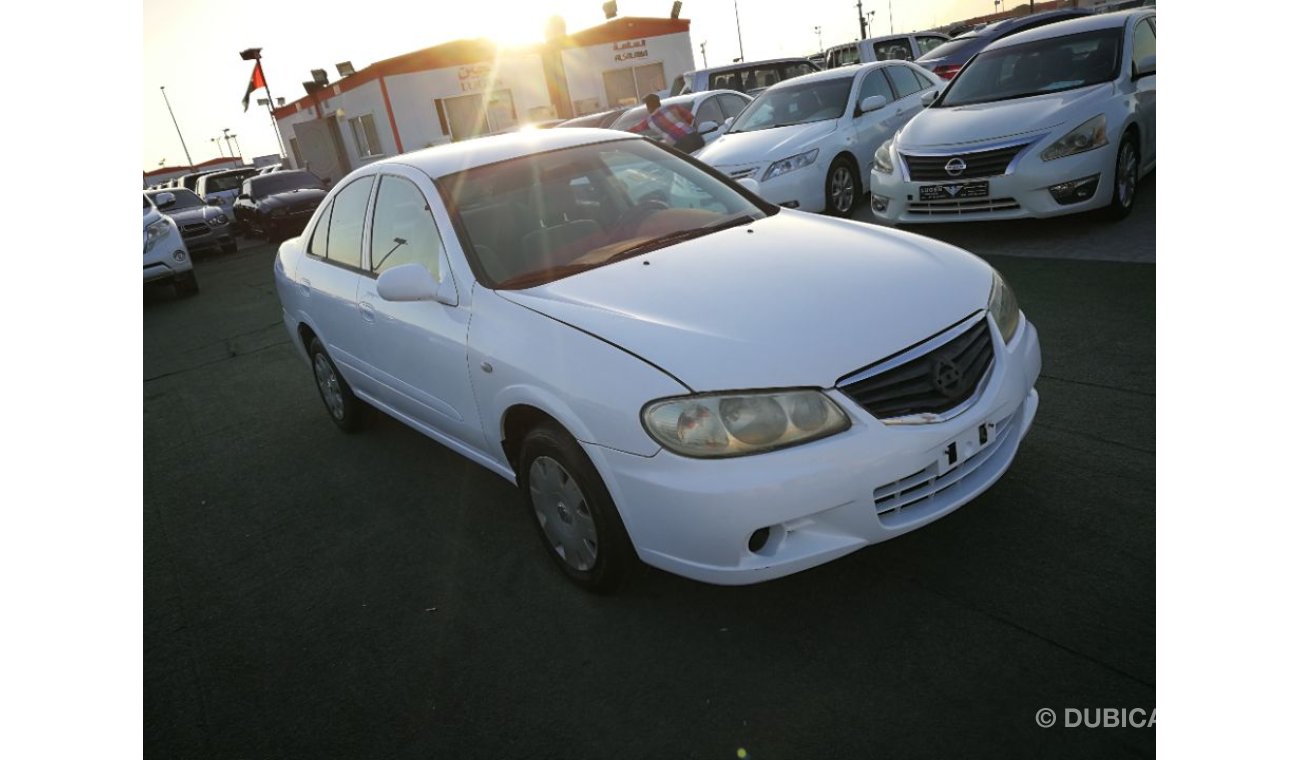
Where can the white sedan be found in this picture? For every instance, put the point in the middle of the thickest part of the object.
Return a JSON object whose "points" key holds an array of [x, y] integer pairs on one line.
{"points": [[1056, 120], [724, 389], [710, 109], [809, 141]]}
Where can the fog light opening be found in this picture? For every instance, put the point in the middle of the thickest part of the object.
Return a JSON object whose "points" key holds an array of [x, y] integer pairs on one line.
{"points": [[179, 255], [879, 203], [758, 539], [767, 540], [1075, 191]]}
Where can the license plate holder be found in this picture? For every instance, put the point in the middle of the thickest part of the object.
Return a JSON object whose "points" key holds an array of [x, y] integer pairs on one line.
{"points": [[951, 191], [967, 445]]}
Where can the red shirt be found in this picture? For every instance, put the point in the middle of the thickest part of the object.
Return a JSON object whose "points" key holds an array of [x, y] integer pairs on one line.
{"points": [[675, 121]]}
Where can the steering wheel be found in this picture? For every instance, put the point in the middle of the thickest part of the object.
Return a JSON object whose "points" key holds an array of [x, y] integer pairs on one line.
{"points": [[633, 217]]}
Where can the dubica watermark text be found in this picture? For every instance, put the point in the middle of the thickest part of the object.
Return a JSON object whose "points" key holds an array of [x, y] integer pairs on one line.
{"points": [[1098, 717]]}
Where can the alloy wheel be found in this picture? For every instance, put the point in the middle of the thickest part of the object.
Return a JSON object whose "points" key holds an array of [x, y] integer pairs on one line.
{"points": [[328, 382], [842, 190]]}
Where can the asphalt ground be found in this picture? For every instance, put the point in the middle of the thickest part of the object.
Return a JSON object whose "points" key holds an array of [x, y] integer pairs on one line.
{"points": [[310, 594]]}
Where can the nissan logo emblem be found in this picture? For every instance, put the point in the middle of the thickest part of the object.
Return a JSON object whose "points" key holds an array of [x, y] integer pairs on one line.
{"points": [[955, 167], [947, 377]]}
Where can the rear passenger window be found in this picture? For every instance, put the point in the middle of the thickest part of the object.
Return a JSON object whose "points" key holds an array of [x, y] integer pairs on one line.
{"points": [[346, 220], [921, 79], [317, 246], [904, 83]]}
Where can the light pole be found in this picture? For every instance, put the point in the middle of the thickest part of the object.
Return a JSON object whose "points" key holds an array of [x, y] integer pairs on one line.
{"points": [[238, 151], [870, 15], [704, 54], [891, 16], [226, 134], [255, 54], [818, 30], [217, 140], [178, 126], [736, 4]]}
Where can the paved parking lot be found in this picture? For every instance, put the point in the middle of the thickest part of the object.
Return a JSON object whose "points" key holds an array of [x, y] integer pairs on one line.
{"points": [[310, 594]]}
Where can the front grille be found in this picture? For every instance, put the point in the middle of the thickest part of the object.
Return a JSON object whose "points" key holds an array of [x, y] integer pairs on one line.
{"points": [[924, 486], [962, 206], [984, 163], [194, 230], [932, 383]]}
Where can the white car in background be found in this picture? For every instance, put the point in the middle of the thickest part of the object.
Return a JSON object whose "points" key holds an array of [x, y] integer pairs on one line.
{"points": [[893, 47], [662, 379], [710, 109], [1056, 120], [808, 142], [165, 254], [219, 189]]}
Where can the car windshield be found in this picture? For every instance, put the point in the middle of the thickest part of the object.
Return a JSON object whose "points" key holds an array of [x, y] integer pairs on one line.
{"points": [[539, 218], [796, 104], [282, 182], [1035, 68], [951, 47], [220, 182], [184, 199]]}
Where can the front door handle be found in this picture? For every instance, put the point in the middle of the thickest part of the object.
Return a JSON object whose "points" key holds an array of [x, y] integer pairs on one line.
{"points": [[367, 311], [305, 284]]}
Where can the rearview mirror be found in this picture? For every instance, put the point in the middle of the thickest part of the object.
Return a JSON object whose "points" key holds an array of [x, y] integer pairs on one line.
{"points": [[163, 200], [929, 98], [412, 282], [1145, 67], [706, 127], [872, 103]]}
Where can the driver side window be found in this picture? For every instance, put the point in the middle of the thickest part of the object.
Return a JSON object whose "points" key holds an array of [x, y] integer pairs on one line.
{"points": [[709, 111], [403, 230], [874, 84]]}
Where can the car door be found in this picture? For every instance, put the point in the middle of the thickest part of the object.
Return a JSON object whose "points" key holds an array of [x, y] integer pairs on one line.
{"points": [[329, 276], [1144, 44], [417, 350], [709, 109], [872, 128]]}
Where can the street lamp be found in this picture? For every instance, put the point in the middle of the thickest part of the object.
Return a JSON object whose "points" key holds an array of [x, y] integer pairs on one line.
{"points": [[818, 30], [217, 140]]}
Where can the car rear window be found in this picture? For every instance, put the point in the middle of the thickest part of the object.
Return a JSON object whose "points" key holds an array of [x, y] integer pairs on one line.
{"points": [[279, 182]]}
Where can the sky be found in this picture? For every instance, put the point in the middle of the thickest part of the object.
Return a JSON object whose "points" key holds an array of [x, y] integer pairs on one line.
{"points": [[192, 48]]}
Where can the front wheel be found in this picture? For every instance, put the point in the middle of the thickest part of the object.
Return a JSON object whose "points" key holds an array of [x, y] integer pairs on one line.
{"points": [[841, 188], [576, 517], [1126, 179], [347, 411]]}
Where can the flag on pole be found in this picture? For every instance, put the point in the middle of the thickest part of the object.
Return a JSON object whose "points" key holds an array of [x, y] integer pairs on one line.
{"points": [[257, 82]]}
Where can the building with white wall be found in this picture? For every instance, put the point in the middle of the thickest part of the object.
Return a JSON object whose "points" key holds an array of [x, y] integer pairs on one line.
{"points": [[467, 88]]}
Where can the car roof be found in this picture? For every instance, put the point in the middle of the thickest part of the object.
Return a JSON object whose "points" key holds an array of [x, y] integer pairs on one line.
{"points": [[1001, 27], [441, 160], [746, 65], [1068, 27]]}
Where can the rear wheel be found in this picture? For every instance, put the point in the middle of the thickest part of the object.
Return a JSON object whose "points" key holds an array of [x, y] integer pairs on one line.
{"points": [[841, 188], [575, 515]]}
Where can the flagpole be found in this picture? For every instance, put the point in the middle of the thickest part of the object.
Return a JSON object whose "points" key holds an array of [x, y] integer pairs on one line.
{"points": [[270, 108], [178, 126]]}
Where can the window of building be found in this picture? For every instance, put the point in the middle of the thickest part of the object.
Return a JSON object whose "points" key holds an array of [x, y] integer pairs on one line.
{"points": [[365, 135], [346, 220], [627, 87], [403, 230]]}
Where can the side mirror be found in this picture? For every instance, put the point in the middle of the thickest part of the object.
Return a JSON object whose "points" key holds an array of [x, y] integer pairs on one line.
{"points": [[1145, 67], [872, 103], [749, 183], [706, 127], [163, 200], [928, 98], [412, 282]]}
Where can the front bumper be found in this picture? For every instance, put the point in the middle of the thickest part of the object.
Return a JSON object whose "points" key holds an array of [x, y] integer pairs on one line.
{"points": [[804, 188], [212, 238], [168, 258], [821, 500], [1021, 193]]}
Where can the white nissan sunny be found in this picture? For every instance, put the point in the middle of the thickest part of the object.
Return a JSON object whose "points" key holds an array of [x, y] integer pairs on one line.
{"points": [[667, 365], [1056, 120]]}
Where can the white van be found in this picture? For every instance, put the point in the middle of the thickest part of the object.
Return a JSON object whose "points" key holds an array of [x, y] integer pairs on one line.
{"points": [[895, 47], [751, 77]]}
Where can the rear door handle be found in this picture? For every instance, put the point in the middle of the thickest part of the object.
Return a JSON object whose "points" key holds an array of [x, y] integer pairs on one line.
{"points": [[367, 311]]}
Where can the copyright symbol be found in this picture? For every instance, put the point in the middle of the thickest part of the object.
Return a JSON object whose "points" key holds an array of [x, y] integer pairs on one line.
{"points": [[1045, 717]]}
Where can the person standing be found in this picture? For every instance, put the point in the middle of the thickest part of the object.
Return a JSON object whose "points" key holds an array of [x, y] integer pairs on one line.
{"points": [[674, 122]]}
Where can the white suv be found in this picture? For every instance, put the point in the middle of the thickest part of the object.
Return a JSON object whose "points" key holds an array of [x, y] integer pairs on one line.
{"points": [[165, 254], [895, 47]]}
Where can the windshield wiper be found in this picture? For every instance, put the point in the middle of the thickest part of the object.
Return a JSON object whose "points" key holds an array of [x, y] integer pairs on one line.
{"points": [[679, 236], [543, 276]]}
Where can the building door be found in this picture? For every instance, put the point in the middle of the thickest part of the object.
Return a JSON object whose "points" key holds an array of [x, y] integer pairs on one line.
{"points": [[321, 147], [465, 117], [627, 87]]}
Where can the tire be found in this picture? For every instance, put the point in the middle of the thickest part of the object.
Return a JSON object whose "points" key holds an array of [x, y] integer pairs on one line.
{"points": [[575, 516], [1124, 189], [842, 188], [186, 284], [347, 411]]}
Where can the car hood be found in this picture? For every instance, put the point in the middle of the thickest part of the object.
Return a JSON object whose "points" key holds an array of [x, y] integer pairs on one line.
{"points": [[194, 214], [765, 145], [944, 127], [790, 300], [300, 197]]}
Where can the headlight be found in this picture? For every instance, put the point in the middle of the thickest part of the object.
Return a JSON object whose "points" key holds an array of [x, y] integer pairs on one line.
{"points": [[1003, 307], [155, 232], [1087, 136], [790, 164], [884, 163], [735, 424], [216, 220]]}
